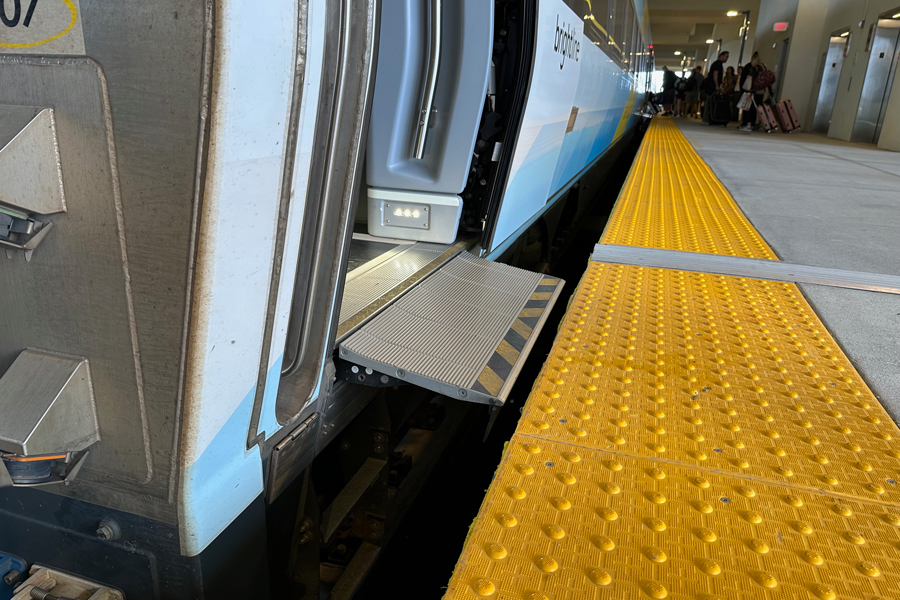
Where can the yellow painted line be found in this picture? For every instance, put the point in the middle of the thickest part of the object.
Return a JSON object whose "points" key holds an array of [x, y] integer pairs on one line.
{"points": [[492, 382], [672, 200], [541, 296], [74, 18], [522, 329], [508, 352]]}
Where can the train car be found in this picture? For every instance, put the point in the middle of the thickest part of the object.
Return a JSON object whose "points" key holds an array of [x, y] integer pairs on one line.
{"points": [[261, 260]]}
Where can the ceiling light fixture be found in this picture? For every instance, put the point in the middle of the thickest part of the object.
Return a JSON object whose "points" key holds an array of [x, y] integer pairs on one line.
{"points": [[678, 53], [732, 13], [845, 34], [710, 41], [897, 16]]}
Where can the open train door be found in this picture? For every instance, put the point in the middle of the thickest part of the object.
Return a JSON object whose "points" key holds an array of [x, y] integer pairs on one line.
{"points": [[465, 328]]}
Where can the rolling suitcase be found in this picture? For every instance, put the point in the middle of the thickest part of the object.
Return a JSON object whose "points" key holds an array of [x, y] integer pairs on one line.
{"points": [[765, 117], [719, 109], [791, 113], [784, 119]]}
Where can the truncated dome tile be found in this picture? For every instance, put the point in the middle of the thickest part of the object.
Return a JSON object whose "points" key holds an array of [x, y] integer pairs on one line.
{"points": [[672, 200], [720, 372], [562, 522]]}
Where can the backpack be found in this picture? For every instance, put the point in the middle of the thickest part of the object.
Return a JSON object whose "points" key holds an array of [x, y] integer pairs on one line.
{"points": [[691, 84], [763, 79], [681, 86], [708, 86]]}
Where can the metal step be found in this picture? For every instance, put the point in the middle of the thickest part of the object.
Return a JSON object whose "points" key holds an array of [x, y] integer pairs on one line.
{"points": [[383, 279], [464, 331]]}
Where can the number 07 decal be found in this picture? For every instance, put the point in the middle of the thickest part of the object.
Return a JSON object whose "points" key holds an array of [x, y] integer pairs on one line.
{"points": [[29, 25]]}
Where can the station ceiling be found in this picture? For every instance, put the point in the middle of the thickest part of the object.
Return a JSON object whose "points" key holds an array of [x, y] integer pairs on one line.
{"points": [[684, 26]]}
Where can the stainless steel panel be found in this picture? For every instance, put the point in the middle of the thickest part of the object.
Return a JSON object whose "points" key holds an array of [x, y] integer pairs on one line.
{"points": [[74, 295], [364, 287], [874, 91], [414, 215], [341, 130], [831, 75], [895, 59], [153, 86], [774, 270], [28, 146], [47, 405], [292, 455]]}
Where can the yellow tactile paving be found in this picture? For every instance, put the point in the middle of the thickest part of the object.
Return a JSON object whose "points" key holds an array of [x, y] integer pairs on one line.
{"points": [[691, 436], [725, 373], [562, 522], [672, 200]]}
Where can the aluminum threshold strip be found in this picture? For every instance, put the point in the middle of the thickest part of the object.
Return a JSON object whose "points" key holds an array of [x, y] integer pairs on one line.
{"points": [[464, 332], [383, 280], [745, 267]]}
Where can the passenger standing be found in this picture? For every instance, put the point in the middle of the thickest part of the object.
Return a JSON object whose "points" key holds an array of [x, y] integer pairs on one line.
{"points": [[668, 91], [692, 93], [713, 81], [748, 76], [680, 94], [729, 87]]}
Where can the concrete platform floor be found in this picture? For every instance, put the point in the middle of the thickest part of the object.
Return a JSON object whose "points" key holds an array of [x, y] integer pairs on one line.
{"points": [[827, 203]]}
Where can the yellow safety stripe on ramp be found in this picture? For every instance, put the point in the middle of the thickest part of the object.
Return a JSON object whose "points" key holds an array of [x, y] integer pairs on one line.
{"points": [[691, 436], [672, 200]]}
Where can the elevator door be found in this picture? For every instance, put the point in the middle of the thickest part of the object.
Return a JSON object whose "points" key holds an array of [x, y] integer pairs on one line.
{"points": [[831, 74], [879, 74], [781, 67]]}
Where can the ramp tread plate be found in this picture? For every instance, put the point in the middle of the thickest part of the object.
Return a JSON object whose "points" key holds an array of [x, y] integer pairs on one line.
{"points": [[383, 280], [672, 200], [727, 373], [366, 288], [464, 331], [561, 522]]}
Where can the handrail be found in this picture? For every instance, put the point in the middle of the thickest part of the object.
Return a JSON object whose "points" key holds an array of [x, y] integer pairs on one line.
{"points": [[430, 82]]}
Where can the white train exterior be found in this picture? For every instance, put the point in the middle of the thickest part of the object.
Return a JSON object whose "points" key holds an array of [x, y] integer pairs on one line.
{"points": [[185, 286]]}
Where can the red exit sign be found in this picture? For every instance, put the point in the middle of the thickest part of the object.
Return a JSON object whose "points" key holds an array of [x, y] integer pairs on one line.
{"points": [[781, 26]]}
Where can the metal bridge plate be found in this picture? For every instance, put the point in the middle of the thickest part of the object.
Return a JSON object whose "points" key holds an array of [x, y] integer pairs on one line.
{"points": [[382, 280], [464, 331]]}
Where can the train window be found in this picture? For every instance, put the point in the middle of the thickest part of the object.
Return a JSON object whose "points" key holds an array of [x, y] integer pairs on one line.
{"points": [[628, 36], [616, 28], [594, 13]]}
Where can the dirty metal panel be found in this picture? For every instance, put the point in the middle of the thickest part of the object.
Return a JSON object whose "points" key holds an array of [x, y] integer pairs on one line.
{"points": [[78, 282], [465, 331], [564, 522]]}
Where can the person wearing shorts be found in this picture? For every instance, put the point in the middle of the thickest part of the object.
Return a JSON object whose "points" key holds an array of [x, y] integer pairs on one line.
{"points": [[692, 95]]}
